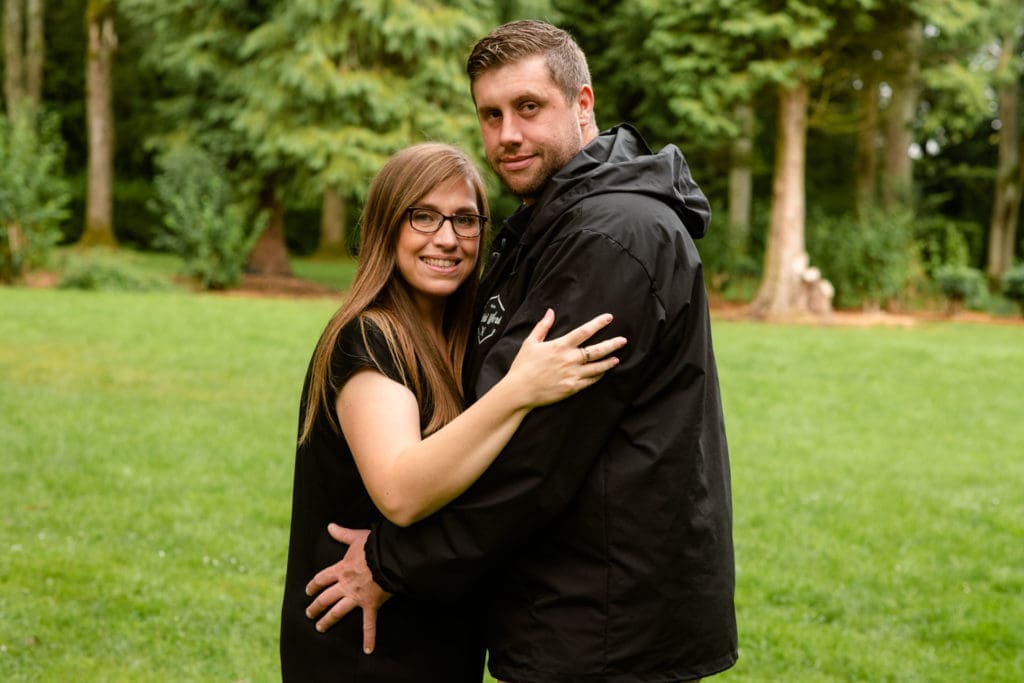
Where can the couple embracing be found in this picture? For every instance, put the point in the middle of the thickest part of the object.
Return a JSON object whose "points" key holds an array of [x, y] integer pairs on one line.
{"points": [[531, 464]]}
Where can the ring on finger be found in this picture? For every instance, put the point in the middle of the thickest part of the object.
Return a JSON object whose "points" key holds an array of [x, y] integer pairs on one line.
{"points": [[586, 354]]}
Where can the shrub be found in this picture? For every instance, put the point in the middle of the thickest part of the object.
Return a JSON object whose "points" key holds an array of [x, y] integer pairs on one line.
{"points": [[33, 192], [109, 276], [1013, 285], [204, 226], [960, 284], [867, 261], [944, 241]]}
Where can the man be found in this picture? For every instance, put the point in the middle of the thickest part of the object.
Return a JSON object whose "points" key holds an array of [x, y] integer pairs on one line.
{"points": [[600, 541]]}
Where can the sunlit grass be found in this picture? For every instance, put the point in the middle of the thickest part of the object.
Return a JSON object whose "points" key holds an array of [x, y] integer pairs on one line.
{"points": [[147, 443], [879, 518], [146, 446], [334, 273]]}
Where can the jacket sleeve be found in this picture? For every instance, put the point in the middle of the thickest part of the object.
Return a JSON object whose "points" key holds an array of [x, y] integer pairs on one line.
{"points": [[548, 458]]}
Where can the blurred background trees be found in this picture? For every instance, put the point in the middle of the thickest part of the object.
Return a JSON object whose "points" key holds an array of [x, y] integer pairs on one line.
{"points": [[869, 141]]}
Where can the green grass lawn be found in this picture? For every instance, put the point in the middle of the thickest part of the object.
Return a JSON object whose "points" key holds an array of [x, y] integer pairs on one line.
{"points": [[146, 445]]}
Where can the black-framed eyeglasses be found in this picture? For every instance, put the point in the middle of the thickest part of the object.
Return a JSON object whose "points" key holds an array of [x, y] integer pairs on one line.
{"points": [[429, 221]]}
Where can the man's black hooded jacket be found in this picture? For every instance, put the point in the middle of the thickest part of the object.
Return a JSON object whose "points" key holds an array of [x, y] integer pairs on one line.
{"points": [[600, 540]]}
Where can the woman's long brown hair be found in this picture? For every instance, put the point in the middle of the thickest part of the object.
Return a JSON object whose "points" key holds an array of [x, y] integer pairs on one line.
{"points": [[380, 294]]}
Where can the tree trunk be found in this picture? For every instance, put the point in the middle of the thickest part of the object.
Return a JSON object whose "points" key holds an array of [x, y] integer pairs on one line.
{"points": [[332, 224], [11, 256], [785, 257], [866, 162], [14, 60], [741, 181], [270, 254], [99, 210], [897, 188], [1010, 171], [35, 53]]}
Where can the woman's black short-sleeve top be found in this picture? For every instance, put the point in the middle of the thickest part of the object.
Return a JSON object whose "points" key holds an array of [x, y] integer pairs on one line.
{"points": [[416, 641]]}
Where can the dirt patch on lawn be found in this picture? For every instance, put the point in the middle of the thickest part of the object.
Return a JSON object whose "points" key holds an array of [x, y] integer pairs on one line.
{"points": [[280, 286], [726, 310], [283, 287]]}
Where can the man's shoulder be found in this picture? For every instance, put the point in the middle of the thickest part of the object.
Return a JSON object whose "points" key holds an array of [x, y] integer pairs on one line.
{"points": [[635, 221], [618, 210], [620, 197]]}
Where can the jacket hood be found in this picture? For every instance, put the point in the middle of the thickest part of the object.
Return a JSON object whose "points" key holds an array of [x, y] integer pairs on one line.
{"points": [[619, 160]]}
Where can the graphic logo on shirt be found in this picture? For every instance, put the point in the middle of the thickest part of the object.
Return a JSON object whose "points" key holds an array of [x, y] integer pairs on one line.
{"points": [[490, 321]]}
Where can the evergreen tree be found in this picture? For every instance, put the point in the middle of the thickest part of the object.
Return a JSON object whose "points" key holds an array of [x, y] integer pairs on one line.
{"points": [[309, 95], [334, 88]]}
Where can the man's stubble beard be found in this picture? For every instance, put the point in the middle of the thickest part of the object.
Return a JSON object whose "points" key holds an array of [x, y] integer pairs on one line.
{"points": [[531, 188]]}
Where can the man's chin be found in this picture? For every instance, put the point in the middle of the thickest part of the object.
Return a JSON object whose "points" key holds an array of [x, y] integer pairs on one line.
{"points": [[527, 189]]}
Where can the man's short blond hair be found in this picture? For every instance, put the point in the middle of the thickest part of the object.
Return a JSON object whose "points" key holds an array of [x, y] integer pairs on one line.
{"points": [[518, 40]]}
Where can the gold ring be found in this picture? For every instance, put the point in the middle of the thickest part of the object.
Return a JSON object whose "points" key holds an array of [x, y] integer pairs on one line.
{"points": [[586, 355]]}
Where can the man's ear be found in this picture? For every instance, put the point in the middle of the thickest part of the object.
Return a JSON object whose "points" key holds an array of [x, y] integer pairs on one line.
{"points": [[585, 104]]}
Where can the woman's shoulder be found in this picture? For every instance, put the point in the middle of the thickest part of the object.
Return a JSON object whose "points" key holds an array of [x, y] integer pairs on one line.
{"points": [[363, 342], [364, 330]]}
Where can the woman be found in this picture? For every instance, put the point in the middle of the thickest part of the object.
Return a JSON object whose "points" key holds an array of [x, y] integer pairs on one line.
{"points": [[382, 430]]}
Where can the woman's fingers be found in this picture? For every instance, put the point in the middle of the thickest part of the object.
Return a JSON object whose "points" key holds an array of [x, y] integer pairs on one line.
{"points": [[593, 357], [596, 352], [587, 330], [543, 326], [596, 369]]}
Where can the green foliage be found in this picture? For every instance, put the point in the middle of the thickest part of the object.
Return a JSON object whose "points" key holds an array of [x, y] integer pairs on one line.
{"points": [[957, 64], [1012, 284], [960, 284], [300, 94], [728, 268], [964, 97], [311, 93], [33, 192], [333, 88], [211, 232], [193, 50], [135, 222], [699, 59], [110, 274], [956, 197], [942, 241], [868, 261]]}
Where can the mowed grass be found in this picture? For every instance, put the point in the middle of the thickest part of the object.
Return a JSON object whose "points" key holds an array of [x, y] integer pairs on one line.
{"points": [[879, 508], [146, 451]]}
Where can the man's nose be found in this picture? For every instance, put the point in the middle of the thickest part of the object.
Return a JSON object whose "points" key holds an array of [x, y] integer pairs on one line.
{"points": [[510, 132]]}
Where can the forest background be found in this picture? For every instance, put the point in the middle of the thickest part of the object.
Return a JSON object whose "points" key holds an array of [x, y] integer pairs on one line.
{"points": [[874, 144]]}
